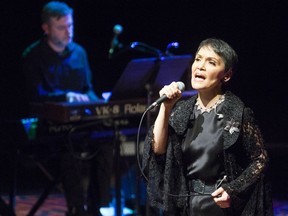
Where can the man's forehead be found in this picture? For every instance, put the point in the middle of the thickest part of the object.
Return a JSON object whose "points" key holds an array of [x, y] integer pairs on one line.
{"points": [[61, 19]]}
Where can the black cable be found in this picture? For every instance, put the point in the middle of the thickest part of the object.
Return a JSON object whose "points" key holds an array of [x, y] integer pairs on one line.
{"points": [[138, 159]]}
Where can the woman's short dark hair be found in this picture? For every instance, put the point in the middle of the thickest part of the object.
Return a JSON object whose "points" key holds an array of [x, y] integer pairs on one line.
{"points": [[55, 9], [222, 49]]}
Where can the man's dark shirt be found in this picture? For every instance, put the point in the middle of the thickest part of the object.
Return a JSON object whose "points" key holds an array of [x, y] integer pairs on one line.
{"points": [[51, 75]]}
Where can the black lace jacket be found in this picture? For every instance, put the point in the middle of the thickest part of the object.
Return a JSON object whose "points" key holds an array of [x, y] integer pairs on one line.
{"points": [[245, 161]]}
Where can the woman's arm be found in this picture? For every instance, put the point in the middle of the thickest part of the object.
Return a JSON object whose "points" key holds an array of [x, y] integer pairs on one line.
{"points": [[160, 131], [253, 145]]}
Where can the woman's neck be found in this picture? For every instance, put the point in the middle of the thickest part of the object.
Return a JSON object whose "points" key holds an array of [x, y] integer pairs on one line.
{"points": [[208, 100]]}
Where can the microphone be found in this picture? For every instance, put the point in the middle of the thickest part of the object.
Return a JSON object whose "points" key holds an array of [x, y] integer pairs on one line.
{"points": [[169, 46], [143, 47], [117, 30], [181, 87]]}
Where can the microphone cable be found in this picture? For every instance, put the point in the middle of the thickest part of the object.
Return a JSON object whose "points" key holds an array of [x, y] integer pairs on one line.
{"points": [[139, 163], [217, 185]]}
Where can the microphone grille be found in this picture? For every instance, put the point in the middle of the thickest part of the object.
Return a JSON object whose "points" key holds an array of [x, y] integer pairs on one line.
{"points": [[181, 86]]}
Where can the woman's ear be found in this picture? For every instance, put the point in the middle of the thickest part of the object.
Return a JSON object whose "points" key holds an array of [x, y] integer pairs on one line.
{"points": [[227, 76]]}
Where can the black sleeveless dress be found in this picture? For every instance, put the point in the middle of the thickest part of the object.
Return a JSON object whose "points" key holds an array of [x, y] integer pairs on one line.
{"points": [[203, 159]]}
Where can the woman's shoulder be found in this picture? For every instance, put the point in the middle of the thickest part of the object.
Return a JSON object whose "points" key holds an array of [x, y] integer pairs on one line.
{"points": [[236, 103], [181, 114]]}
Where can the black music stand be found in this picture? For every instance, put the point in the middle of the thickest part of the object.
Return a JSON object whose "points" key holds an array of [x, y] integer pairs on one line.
{"points": [[131, 83], [172, 69], [155, 72], [144, 78]]}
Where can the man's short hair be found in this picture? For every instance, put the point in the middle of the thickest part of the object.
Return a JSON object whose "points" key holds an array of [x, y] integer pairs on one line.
{"points": [[55, 9]]}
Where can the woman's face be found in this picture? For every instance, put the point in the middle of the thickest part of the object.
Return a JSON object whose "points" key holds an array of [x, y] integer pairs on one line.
{"points": [[208, 71]]}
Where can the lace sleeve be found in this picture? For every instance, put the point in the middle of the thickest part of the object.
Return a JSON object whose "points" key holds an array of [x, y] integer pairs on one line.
{"points": [[255, 154]]}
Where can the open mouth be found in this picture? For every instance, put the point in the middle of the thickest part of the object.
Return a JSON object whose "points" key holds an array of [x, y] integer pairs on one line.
{"points": [[199, 76]]}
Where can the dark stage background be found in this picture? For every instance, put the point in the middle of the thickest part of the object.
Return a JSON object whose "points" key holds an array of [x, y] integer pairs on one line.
{"points": [[256, 29]]}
